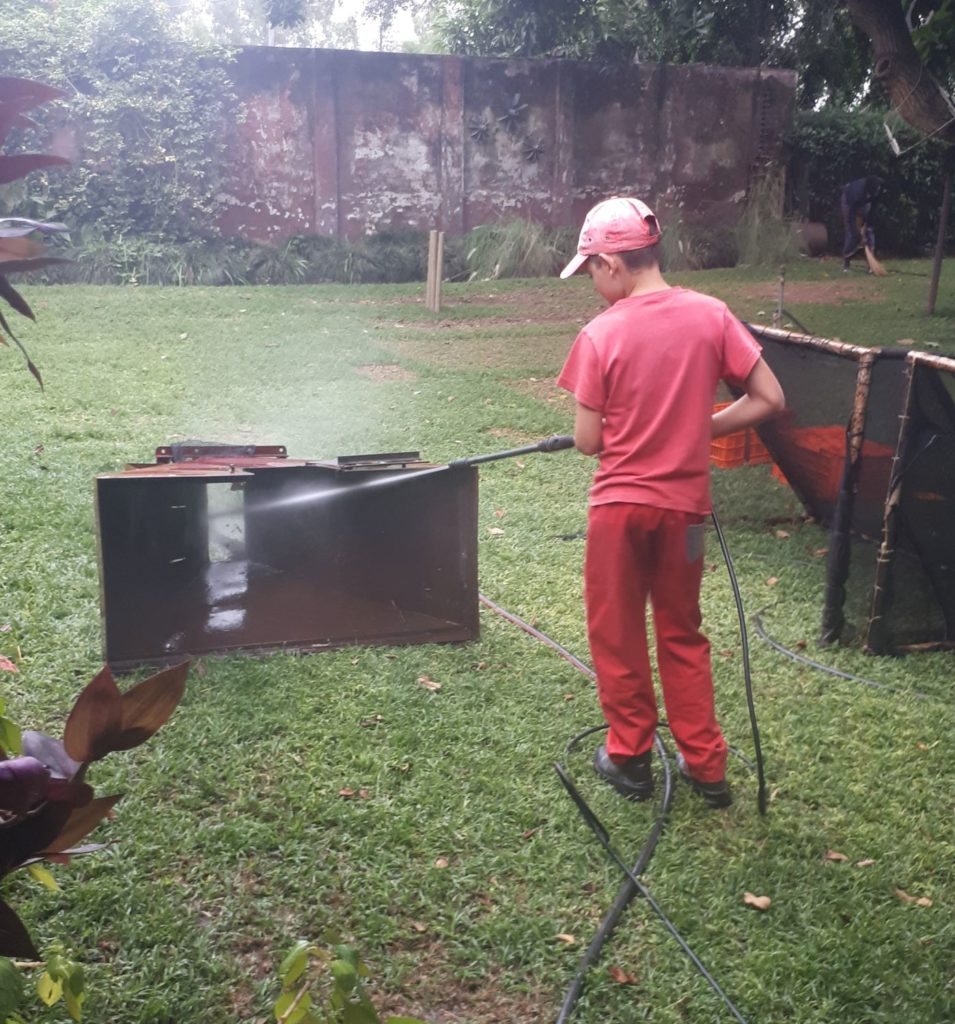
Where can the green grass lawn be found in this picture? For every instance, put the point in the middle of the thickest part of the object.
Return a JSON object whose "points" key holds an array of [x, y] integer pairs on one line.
{"points": [[465, 861]]}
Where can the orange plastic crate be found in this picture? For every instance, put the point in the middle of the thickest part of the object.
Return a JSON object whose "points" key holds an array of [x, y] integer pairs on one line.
{"points": [[743, 448], [819, 456]]}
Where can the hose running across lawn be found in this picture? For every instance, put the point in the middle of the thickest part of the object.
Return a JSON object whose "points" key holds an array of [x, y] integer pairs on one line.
{"points": [[632, 885]]}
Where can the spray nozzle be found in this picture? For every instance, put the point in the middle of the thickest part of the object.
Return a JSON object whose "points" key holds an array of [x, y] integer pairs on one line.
{"points": [[555, 443]]}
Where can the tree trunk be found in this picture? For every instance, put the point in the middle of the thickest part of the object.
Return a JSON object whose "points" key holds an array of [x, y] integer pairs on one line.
{"points": [[914, 93]]}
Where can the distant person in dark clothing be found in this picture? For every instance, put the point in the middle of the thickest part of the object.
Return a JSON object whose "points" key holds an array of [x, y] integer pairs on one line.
{"points": [[858, 198]]}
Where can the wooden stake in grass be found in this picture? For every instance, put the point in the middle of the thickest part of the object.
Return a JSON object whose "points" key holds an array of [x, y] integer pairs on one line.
{"points": [[435, 270]]}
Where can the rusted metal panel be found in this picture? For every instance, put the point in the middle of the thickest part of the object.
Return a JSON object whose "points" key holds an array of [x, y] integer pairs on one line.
{"points": [[256, 552]]}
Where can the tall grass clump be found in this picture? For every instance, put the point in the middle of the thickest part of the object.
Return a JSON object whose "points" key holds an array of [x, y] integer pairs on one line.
{"points": [[517, 248], [763, 237], [688, 246]]}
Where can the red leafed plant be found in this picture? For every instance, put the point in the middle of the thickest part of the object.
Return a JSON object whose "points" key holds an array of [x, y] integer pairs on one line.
{"points": [[22, 245], [46, 806]]}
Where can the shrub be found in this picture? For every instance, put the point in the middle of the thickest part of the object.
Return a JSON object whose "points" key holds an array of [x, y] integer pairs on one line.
{"points": [[517, 248], [831, 147]]}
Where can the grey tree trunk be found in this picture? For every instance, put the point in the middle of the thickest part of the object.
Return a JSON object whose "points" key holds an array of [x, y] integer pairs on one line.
{"points": [[914, 93]]}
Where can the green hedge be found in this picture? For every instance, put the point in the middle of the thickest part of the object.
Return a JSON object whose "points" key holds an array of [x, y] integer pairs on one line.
{"points": [[831, 147]]}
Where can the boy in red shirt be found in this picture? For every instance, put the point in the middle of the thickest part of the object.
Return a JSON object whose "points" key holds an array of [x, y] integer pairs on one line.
{"points": [[644, 373]]}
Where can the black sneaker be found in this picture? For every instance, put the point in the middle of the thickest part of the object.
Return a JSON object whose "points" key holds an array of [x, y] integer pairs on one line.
{"points": [[633, 778], [715, 794]]}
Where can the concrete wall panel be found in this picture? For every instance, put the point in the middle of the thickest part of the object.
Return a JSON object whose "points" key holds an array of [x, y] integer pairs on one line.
{"points": [[344, 143]]}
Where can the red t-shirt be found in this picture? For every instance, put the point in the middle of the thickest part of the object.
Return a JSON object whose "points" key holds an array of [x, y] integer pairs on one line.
{"points": [[650, 364]]}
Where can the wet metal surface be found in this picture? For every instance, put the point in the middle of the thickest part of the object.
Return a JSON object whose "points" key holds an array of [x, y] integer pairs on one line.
{"points": [[258, 552]]}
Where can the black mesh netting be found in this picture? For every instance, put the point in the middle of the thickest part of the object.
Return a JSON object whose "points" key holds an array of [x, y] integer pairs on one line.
{"points": [[831, 391], [914, 602]]}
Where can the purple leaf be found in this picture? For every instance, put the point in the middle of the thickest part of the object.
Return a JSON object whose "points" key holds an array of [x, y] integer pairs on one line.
{"points": [[29, 836], [16, 300], [33, 263], [21, 164], [23, 784], [15, 90], [14, 938], [96, 721], [45, 226], [50, 751]]}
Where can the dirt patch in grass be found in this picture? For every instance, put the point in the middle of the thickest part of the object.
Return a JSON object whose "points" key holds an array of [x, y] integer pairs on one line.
{"points": [[386, 372], [496, 352], [441, 996], [543, 389], [515, 437], [827, 293], [463, 323], [558, 301]]}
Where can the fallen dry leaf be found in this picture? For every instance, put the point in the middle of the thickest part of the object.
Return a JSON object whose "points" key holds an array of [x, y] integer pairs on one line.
{"points": [[782, 535], [530, 832], [772, 581], [835, 855], [346, 793], [442, 862], [419, 926], [821, 552], [368, 723], [519, 464], [565, 937], [499, 513], [759, 902], [620, 976], [364, 794], [919, 901], [428, 683], [6, 665], [5, 628], [867, 863], [569, 696], [495, 531], [800, 645]]}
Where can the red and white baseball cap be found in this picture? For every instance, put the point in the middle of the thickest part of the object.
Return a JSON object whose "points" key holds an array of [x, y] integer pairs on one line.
{"points": [[620, 224]]}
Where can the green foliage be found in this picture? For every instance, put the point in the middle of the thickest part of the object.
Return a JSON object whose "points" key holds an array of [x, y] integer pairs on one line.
{"points": [[22, 240], [234, 836], [933, 32], [517, 248], [63, 979], [831, 147], [151, 104], [816, 37], [11, 987], [47, 808], [325, 987]]}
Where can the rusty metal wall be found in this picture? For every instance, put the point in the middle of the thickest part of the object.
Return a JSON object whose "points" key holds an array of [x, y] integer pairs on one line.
{"points": [[342, 143]]}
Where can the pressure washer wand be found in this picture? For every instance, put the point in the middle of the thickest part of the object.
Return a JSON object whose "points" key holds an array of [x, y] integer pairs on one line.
{"points": [[550, 444]]}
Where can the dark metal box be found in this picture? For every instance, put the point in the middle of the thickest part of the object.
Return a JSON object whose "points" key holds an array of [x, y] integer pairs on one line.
{"points": [[219, 548]]}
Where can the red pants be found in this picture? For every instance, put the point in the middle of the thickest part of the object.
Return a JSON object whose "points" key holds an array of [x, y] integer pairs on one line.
{"points": [[635, 552]]}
